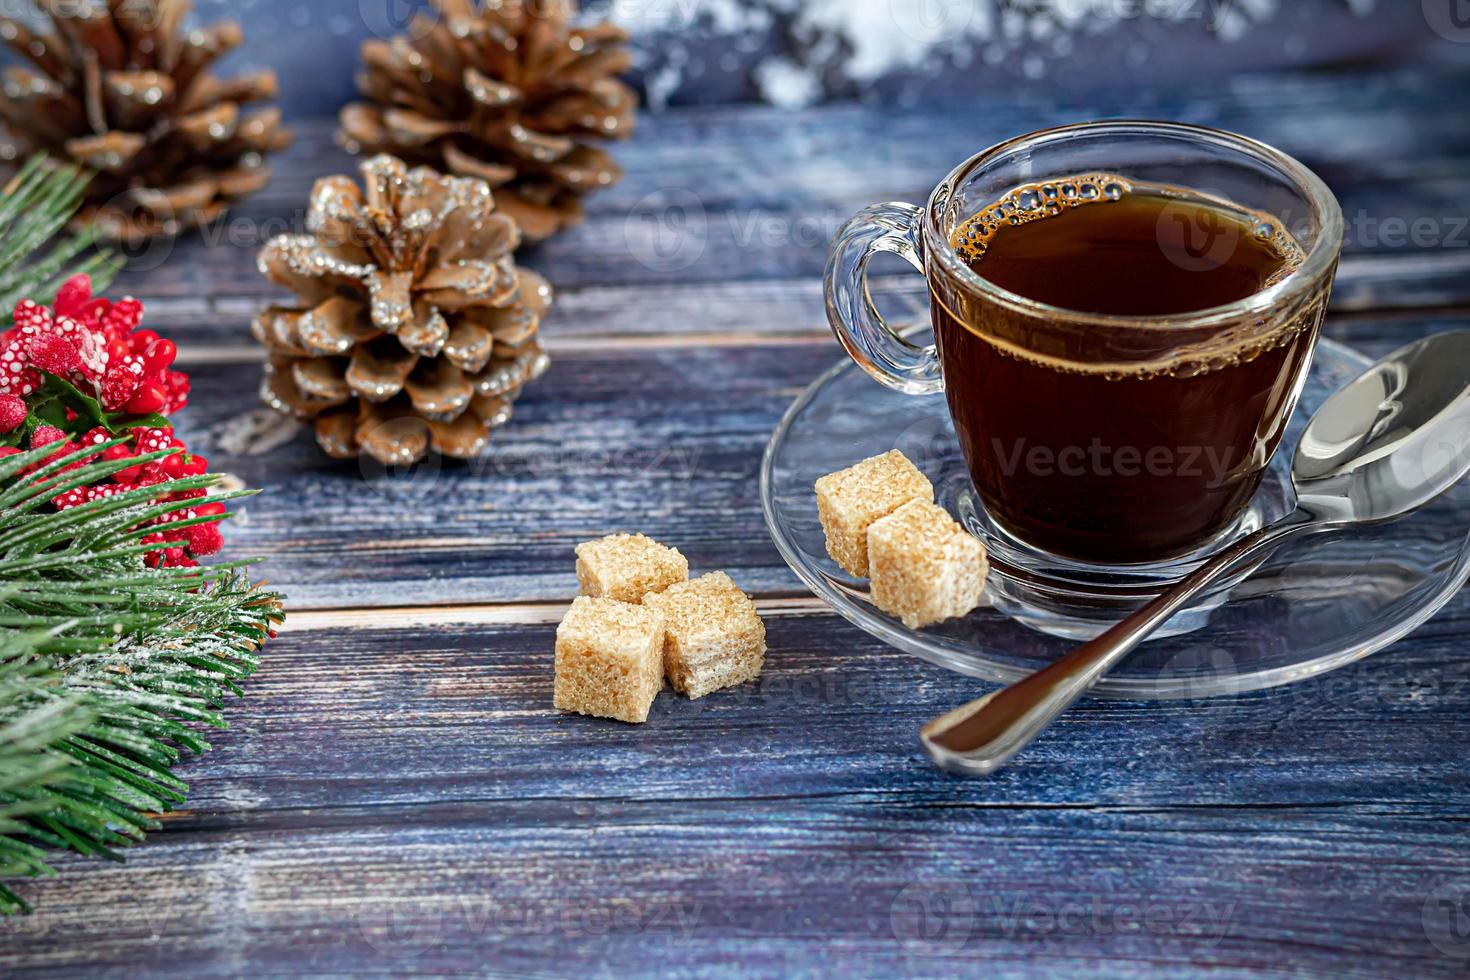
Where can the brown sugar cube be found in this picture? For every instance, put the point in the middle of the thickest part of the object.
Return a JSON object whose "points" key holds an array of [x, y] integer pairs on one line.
{"points": [[926, 568], [627, 567], [609, 659], [850, 500], [714, 638]]}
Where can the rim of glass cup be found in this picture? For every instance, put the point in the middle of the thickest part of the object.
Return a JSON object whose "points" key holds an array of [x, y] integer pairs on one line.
{"points": [[1324, 253]]}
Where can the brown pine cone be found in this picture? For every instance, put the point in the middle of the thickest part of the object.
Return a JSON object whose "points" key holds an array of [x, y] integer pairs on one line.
{"points": [[118, 86], [415, 326], [504, 90]]}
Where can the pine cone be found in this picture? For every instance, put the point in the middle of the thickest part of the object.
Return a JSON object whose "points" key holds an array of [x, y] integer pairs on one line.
{"points": [[119, 88], [503, 90], [416, 326]]}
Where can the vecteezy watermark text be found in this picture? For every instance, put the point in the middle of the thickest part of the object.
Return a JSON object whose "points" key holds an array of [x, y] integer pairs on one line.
{"points": [[1446, 918], [671, 229], [941, 918], [1098, 459], [406, 930], [1450, 19]]}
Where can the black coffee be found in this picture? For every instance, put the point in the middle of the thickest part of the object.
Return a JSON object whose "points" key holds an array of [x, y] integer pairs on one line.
{"points": [[1116, 441]]}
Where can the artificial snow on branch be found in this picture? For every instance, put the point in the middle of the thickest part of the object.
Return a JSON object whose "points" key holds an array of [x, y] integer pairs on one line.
{"points": [[116, 648]]}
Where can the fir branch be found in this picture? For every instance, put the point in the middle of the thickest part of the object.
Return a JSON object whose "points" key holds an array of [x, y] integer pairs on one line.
{"points": [[108, 669], [34, 207]]}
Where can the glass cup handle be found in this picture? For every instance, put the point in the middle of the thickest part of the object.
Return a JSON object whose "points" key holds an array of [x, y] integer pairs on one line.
{"points": [[876, 347]]}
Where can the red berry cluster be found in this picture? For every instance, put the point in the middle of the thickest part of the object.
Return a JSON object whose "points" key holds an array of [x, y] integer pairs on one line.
{"points": [[184, 546], [95, 344]]}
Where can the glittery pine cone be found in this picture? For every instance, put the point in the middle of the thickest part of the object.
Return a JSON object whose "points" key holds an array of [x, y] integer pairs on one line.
{"points": [[504, 90], [415, 327], [119, 87]]}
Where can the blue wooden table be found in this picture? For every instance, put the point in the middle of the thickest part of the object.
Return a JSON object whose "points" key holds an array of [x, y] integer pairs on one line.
{"points": [[396, 794]]}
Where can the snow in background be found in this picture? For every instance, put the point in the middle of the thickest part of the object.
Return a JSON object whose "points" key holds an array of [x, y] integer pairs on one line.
{"points": [[798, 52], [806, 50]]}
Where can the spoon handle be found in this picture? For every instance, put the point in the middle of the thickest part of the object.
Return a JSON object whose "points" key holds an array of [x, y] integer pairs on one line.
{"points": [[980, 737]]}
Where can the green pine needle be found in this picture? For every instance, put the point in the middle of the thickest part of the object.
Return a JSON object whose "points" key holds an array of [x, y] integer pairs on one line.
{"points": [[109, 670], [34, 207]]}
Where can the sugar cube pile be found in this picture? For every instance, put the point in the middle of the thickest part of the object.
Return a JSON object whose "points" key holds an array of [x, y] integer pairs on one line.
{"points": [[881, 523], [640, 620]]}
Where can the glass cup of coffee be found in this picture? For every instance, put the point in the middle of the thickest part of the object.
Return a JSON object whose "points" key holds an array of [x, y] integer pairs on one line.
{"points": [[1124, 314]]}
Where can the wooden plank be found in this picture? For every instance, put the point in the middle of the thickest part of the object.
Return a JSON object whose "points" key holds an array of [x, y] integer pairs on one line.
{"points": [[667, 440], [1376, 334], [419, 714], [727, 212], [658, 437], [406, 800], [1381, 126], [579, 888], [773, 309], [493, 614]]}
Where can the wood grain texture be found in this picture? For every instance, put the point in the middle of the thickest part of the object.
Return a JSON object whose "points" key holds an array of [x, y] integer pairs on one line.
{"points": [[665, 438], [395, 794], [459, 713], [587, 888], [426, 812], [723, 220]]}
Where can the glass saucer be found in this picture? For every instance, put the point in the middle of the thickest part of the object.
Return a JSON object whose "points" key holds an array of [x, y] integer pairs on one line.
{"points": [[1315, 605]]}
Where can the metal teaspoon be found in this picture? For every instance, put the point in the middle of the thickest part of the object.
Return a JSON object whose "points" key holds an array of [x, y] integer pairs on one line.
{"points": [[1383, 446]]}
